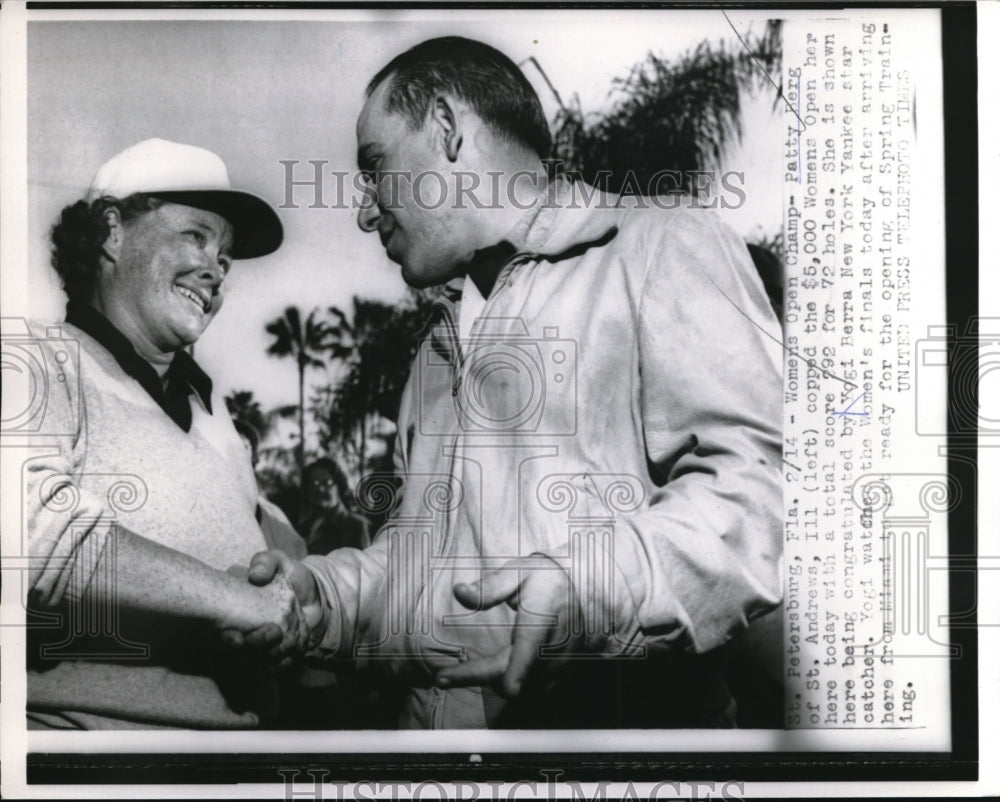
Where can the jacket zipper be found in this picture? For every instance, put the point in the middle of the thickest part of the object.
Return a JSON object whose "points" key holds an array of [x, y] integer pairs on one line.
{"points": [[505, 271], [456, 384], [449, 321]]}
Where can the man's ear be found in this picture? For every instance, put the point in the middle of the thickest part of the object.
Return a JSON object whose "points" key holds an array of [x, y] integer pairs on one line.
{"points": [[116, 234], [445, 118]]}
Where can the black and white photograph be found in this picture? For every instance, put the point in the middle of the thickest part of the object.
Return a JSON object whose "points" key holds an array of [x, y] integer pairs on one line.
{"points": [[561, 397]]}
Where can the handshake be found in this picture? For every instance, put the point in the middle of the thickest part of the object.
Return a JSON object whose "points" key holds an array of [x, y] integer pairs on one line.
{"points": [[289, 617], [286, 616]]}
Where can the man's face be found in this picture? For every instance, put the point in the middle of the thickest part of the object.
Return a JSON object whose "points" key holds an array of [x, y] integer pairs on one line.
{"points": [[413, 213], [168, 274]]}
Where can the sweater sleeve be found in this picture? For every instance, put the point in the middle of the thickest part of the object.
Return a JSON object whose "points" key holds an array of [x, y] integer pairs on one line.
{"points": [[703, 558], [66, 526]]}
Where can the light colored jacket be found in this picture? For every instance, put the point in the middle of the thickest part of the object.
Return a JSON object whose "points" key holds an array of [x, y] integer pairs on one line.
{"points": [[617, 408]]}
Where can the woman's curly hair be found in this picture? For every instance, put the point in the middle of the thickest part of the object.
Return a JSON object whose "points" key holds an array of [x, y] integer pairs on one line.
{"points": [[79, 235]]}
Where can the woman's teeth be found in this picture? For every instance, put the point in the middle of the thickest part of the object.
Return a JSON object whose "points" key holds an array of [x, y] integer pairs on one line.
{"points": [[193, 297]]}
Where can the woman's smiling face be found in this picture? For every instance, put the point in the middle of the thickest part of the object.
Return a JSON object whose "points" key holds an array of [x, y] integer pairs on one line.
{"points": [[164, 287]]}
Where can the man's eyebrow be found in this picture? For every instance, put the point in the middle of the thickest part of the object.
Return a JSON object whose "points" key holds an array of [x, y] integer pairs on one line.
{"points": [[366, 153]]}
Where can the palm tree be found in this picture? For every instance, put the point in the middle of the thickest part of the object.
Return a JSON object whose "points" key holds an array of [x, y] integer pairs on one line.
{"points": [[678, 115], [244, 407], [304, 342], [670, 114], [352, 404], [377, 343]]}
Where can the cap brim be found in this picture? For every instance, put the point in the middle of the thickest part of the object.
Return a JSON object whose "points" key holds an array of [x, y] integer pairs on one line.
{"points": [[257, 229]]}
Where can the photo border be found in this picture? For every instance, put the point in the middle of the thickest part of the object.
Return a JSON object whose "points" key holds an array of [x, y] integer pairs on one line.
{"points": [[959, 49]]}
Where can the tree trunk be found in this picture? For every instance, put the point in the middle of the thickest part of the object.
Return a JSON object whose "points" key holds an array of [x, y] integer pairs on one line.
{"points": [[300, 452], [361, 454]]}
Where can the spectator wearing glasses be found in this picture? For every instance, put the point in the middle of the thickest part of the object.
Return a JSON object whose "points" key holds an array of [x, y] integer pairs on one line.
{"points": [[325, 521]]}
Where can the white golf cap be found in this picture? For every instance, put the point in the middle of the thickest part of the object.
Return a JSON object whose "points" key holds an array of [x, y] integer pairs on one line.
{"points": [[191, 176]]}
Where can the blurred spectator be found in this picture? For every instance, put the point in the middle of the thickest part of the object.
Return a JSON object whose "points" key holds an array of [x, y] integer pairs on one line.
{"points": [[314, 698], [325, 522], [278, 530]]}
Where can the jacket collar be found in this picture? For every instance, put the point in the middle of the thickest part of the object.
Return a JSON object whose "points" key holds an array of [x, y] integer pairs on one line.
{"points": [[568, 219], [572, 218]]}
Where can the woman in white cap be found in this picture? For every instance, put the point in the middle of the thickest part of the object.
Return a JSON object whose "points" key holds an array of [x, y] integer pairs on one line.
{"points": [[145, 497]]}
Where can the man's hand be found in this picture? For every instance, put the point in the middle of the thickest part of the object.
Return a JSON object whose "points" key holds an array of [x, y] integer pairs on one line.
{"points": [[548, 612], [288, 588]]}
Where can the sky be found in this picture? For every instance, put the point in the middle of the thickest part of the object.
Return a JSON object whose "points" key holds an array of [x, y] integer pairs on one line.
{"points": [[262, 92]]}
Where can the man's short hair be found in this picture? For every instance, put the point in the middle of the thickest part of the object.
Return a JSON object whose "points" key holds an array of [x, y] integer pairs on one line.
{"points": [[79, 235], [480, 75]]}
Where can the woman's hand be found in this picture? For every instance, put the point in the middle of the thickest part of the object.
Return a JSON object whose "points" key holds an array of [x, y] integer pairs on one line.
{"points": [[286, 615]]}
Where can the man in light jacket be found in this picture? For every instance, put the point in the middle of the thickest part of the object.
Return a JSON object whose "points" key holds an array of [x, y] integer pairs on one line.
{"points": [[589, 441]]}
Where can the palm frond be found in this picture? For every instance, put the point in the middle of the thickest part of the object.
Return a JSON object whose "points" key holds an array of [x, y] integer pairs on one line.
{"points": [[283, 412], [680, 114]]}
